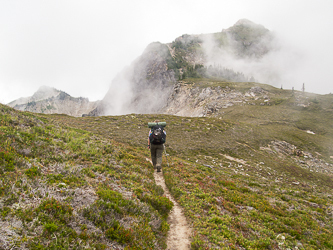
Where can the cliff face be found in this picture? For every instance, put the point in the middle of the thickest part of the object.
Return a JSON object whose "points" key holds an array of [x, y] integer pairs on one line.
{"points": [[148, 84], [51, 101]]}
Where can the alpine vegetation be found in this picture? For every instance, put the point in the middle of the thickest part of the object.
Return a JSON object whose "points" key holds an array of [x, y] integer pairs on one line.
{"points": [[67, 188], [254, 172]]}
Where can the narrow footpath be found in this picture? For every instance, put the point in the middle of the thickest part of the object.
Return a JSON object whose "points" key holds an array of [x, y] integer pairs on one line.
{"points": [[180, 232]]}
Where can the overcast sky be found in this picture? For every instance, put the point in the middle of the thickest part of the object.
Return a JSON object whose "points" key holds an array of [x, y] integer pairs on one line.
{"points": [[78, 46]]}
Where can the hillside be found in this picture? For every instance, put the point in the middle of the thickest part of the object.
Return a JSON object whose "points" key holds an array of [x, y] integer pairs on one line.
{"points": [[250, 164], [256, 174], [49, 100], [67, 188]]}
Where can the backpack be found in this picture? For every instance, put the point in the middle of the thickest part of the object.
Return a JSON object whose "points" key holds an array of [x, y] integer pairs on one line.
{"points": [[157, 135]]}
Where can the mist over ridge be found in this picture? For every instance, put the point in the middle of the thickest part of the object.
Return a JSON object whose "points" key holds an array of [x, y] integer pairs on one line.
{"points": [[244, 52]]}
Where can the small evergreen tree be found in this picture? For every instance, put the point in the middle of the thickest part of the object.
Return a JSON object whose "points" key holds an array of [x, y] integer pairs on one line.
{"points": [[183, 75]]}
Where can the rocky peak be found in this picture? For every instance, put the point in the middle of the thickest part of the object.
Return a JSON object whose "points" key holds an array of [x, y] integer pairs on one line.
{"points": [[249, 39], [245, 22], [45, 92]]}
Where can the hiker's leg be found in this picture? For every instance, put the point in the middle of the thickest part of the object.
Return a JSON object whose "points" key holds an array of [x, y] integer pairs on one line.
{"points": [[159, 153], [153, 154]]}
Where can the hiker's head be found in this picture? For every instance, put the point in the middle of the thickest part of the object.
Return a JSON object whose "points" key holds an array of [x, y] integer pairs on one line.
{"points": [[157, 121]]}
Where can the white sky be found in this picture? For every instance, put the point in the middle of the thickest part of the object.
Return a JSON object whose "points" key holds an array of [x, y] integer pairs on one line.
{"points": [[78, 46]]}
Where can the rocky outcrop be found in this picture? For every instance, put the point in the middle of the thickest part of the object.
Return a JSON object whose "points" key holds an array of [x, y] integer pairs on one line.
{"points": [[307, 160], [187, 100], [52, 101]]}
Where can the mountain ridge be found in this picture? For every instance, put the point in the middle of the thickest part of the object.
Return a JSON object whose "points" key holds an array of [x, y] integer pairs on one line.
{"points": [[150, 83], [154, 74], [49, 100]]}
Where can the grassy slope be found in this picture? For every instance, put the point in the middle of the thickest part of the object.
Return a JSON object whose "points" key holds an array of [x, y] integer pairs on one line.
{"points": [[65, 188], [259, 198]]}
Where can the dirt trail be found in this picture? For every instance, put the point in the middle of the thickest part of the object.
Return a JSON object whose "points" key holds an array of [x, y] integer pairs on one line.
{"points": [[180, 232]]}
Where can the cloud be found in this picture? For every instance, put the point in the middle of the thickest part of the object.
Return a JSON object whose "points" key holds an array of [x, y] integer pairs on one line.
{"points": [[144, 86], [119, 95], [267, 58]]}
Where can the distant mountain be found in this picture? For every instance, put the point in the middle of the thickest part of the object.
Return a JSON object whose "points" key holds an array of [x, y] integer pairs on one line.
{"points": [[147, 84], [49, 100]]}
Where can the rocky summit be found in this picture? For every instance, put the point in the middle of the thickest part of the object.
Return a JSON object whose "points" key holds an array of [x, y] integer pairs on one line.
{"points": [[151, 80]]}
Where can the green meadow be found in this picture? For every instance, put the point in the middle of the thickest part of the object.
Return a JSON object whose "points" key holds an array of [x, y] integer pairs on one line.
{"points": [[252, 176]]}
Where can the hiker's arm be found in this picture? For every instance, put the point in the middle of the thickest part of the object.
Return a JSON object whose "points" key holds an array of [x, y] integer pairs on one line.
{"points": [[148, 141]]}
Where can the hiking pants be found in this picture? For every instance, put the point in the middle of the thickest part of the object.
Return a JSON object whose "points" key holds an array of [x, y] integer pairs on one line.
{"points": [[156, 155]]}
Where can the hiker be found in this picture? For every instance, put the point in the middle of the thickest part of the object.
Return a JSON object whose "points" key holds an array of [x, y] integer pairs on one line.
{"points": [[156, 139]]}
